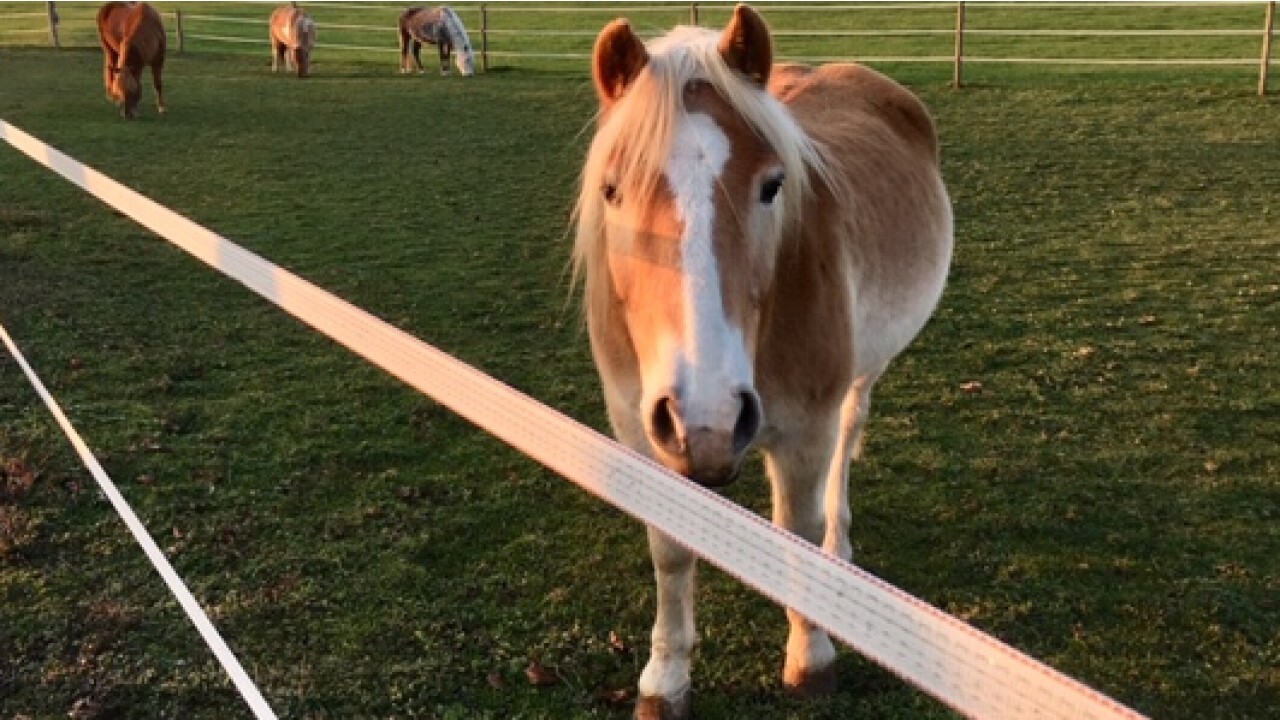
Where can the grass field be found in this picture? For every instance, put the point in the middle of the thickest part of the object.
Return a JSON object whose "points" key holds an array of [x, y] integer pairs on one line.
{"points": [[1108, 501]]}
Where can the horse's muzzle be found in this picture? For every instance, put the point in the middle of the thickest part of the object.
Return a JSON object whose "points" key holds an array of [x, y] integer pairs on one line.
{"points": [[708, 456]]}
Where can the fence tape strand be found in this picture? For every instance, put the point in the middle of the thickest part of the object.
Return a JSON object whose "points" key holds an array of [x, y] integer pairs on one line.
{"points": [[969, 671], [195, 613]]}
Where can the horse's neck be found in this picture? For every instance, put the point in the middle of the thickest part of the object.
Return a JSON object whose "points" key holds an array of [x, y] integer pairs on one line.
{"points": [[805, 336]]}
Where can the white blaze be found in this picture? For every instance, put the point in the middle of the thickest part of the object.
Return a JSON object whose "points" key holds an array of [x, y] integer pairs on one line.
{"points": [[709, 363]]}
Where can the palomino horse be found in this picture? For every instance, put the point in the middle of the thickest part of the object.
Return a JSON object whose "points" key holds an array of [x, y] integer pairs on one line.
{"points": [[293, 34], [132, 37], [435, 26], [756, 243]]}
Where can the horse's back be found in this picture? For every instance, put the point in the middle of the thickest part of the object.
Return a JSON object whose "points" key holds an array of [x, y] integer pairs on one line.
{"points": [[293, 27], [135, 26], [112, 22], [841, 97], [418, 17]]}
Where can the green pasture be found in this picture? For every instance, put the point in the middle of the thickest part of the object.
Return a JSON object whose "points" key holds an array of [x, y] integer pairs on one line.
{"points": [[1079, 455]]}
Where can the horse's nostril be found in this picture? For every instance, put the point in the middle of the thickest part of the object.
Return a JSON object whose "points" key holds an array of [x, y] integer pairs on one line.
{"points": [[665, 426], [749, 421]]}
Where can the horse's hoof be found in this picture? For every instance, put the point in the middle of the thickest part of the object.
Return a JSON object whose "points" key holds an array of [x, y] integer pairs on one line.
{"points": [[810, 683], [656, 707]]}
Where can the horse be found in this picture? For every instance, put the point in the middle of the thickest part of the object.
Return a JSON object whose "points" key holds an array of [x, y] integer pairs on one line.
{"points": [[754, 244], [436, 26], [293, 35], [132, 37]]}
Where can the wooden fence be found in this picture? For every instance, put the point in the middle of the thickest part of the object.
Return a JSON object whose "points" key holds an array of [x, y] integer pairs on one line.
{"points": [[505, 24]]}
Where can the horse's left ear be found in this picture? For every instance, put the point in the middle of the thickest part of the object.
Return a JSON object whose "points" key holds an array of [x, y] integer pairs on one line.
{"points": [[619, 56], [746, 45]]}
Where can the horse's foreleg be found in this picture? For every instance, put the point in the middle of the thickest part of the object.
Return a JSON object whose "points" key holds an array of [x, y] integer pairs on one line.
{"points": [[404, 51], [444, 58], [853, 421], [157, 68], [417, 56], [798, 471], [665, 683]]}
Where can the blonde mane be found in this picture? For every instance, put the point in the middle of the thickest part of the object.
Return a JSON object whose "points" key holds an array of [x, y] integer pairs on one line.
{"points": [[457, 32], [638, 131]]}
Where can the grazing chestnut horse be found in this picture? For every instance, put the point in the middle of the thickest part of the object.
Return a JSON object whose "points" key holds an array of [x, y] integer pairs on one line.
{"points": [[435, 26], [756, 243], [132, 37], [293, 35]]}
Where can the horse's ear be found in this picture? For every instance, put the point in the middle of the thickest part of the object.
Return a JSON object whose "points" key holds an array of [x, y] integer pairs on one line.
{"points": [[618, 57], [746, 45]]}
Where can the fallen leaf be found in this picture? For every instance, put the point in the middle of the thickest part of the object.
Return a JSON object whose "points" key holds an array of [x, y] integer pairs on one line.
{"points": [[621, 696], [540, 674], [495, 681], [617, 643], [85, 709]]}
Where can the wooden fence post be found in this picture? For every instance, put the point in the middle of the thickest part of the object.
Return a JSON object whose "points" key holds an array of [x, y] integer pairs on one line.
{"points": [[182, 36], [53, 25], [693, 14], [957, 78], [1266, 48], [484, 37]]}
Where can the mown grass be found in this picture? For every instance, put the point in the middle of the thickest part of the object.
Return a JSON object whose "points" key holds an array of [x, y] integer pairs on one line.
{"points": [[1106, 500]]}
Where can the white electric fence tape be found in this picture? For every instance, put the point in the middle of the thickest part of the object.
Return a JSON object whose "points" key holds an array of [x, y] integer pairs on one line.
{"points": [[973, 673], [210, 634]]}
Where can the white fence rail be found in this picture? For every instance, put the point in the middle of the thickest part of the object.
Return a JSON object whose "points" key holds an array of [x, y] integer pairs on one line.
{"points": [[969, 671], [488, 25], [230, 663]]}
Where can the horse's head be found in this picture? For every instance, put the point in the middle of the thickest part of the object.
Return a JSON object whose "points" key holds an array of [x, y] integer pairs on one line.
{"points": [[304, 31], [465, 59], [125, 90], [691, 176]]}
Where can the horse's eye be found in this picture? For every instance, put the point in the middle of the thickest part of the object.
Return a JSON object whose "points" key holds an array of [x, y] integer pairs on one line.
{"points": [[611, 195], [770, 189]]}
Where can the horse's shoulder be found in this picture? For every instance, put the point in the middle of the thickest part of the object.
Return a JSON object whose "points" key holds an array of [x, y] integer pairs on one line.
{"points": [[846, 92]]}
